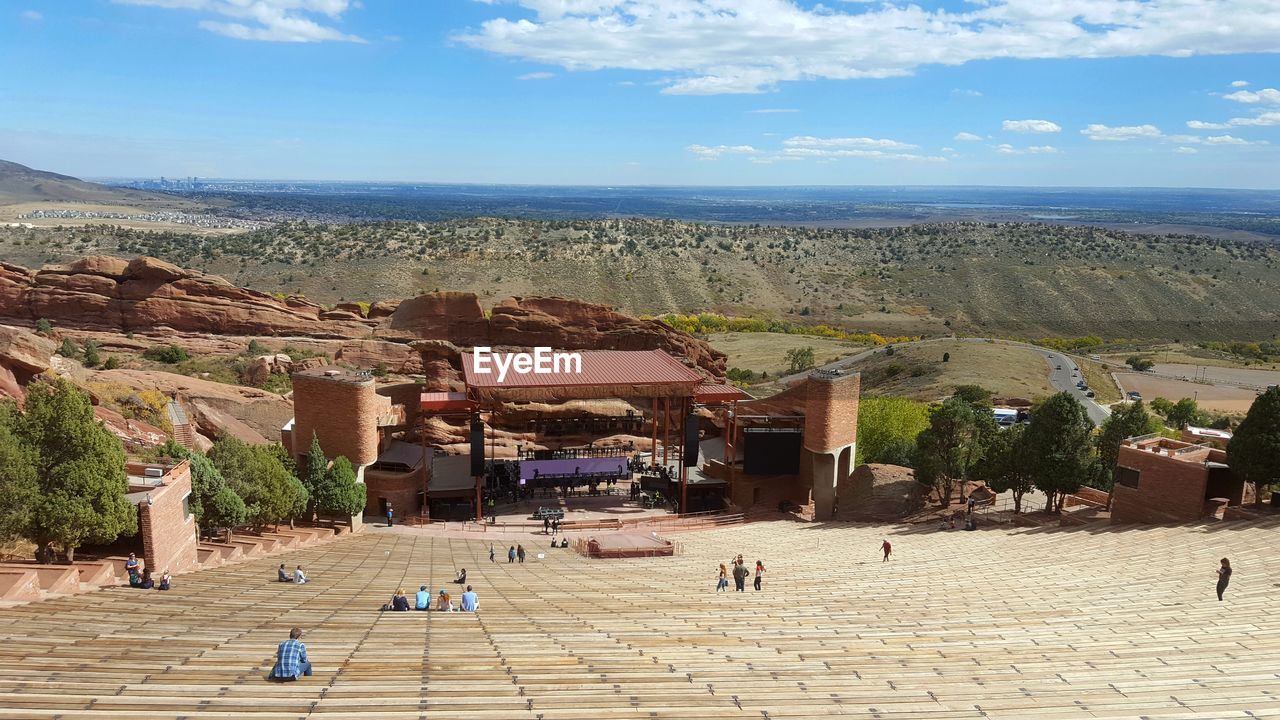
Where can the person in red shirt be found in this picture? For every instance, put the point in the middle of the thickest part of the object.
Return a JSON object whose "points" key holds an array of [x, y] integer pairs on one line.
{"points": [[887, 548]]}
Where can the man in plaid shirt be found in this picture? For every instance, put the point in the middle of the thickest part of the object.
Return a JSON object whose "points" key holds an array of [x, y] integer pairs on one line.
{"points": [[292, 661]]}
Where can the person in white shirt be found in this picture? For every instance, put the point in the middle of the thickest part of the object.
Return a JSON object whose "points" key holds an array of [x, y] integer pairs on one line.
{"points": [[299, 577]]}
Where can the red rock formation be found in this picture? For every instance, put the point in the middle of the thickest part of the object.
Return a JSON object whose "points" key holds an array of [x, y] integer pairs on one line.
{"points": [[23, 355], [155, 298], [146, 294]]}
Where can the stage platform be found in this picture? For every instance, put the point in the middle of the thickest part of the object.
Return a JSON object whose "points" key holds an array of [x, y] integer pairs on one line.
{"points": [[628, 545]]}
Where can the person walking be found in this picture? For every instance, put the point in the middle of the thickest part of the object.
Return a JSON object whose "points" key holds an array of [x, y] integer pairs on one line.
{"points": [[759, 573], [723, 583], [740, 573], [546, 525], [887, 548], [1224, 577], [491, 553], [511, 554], [520, 552]]}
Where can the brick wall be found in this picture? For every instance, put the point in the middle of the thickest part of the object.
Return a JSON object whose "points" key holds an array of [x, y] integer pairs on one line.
{"points": [[831, 411], [400, 489], [1169, 490], [341, 410], [168, 532]]}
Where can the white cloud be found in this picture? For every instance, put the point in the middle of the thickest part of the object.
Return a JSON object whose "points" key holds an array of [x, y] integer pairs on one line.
{"points": [[705, 152], [1261, 119], [1007, 149], [808, 141], [1269, 96], [966, 93], [267, 20], [1121, 133], [807, 147], [750, 46], [966, 137], [1240, 83], [772, 111], [1031, 126], [536, 76], [1183, 150], [31, 15], [1228, 140]]}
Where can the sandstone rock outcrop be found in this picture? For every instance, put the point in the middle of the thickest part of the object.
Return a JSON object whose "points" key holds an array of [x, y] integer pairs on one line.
{"points": [[99, 293], [155, 298], [23, 355]]}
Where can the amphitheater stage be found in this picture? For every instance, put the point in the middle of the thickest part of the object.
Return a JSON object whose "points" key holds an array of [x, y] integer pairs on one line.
{"points": [[629, 545]]}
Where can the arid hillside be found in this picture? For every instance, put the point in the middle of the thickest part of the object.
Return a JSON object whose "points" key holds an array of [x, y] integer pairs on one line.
{"points": [[996, 279]]}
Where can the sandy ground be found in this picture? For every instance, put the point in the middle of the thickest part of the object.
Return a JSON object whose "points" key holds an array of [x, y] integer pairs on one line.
{"points": [[1257, 378], [767, 352], [1220, 398]]}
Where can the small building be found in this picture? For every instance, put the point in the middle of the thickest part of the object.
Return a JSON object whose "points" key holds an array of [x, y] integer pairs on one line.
{"points": [[1206, 436], [1158, 480], [166, 527]]}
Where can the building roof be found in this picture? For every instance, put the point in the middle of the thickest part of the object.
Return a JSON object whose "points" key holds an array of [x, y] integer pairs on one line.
{"points": [[444, 401], [1209, 433], [403, 453], [711, 394], [605, 374]]}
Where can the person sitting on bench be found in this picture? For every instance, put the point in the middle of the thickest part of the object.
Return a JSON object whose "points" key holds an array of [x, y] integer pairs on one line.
{"points": [[291, 658], [282, 575], [165, 581], [461, 578], [135, 580], [443, 602], [469, 600], [422, 599], [399, 603], [299, 576], [147, 583], [564, 542]]}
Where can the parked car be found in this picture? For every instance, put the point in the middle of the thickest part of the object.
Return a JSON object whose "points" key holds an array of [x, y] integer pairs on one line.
{"points": [[1135, 395], [1089, 393]]}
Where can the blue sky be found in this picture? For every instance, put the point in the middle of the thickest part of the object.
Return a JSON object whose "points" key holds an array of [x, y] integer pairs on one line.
{"points": [[717, 92]]}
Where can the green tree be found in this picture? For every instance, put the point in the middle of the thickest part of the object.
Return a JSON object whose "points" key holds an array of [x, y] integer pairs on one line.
{"points": [[91, 354], [949, 448], [213, 503], [44, 327], [80, 467], [339, 494], [1140, 364], [1129, 421], [1254, 450], [313, 474], [18, 487], [270, 491], [975, 395], [1162, 406], [170, 354], [799, 359], [111, 363], [1183, 413], [887, 430], [1006, 464], [68, 348], [1058, 440]]}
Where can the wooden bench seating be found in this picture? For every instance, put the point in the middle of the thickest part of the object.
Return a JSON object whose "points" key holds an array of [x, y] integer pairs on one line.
{"points": [[1041, 624]]}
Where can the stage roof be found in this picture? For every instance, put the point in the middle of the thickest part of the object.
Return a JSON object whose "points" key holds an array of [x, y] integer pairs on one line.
{"points": [[624, 374], [712, 394], [444, 401]]}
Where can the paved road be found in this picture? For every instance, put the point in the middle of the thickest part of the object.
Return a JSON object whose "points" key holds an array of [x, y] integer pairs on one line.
{"points": [[1062, 379], [1063, 375]]}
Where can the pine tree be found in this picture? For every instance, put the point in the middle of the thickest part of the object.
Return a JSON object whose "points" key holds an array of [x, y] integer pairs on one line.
{"points": [[213, 503], [1254, 450], [1006, 464], [339, 494], [18, 486], [1130, 421], [1058, 443], [950, 447], [80, 471], [313, 475]]}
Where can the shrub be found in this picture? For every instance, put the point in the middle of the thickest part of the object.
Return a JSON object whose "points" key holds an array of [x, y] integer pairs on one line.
{"points": [[44, 327], [167, 354]]}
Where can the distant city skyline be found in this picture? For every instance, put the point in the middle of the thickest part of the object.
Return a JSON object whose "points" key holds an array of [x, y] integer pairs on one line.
{"points": [[647, 92]]}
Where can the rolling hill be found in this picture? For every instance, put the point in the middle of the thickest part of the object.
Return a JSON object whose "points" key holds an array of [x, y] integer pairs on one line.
{"points": [[21, 184]]}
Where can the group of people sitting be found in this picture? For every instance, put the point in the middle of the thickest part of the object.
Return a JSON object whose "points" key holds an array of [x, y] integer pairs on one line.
{"points": [[140, 577], [299, 577], [468, 602]]}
